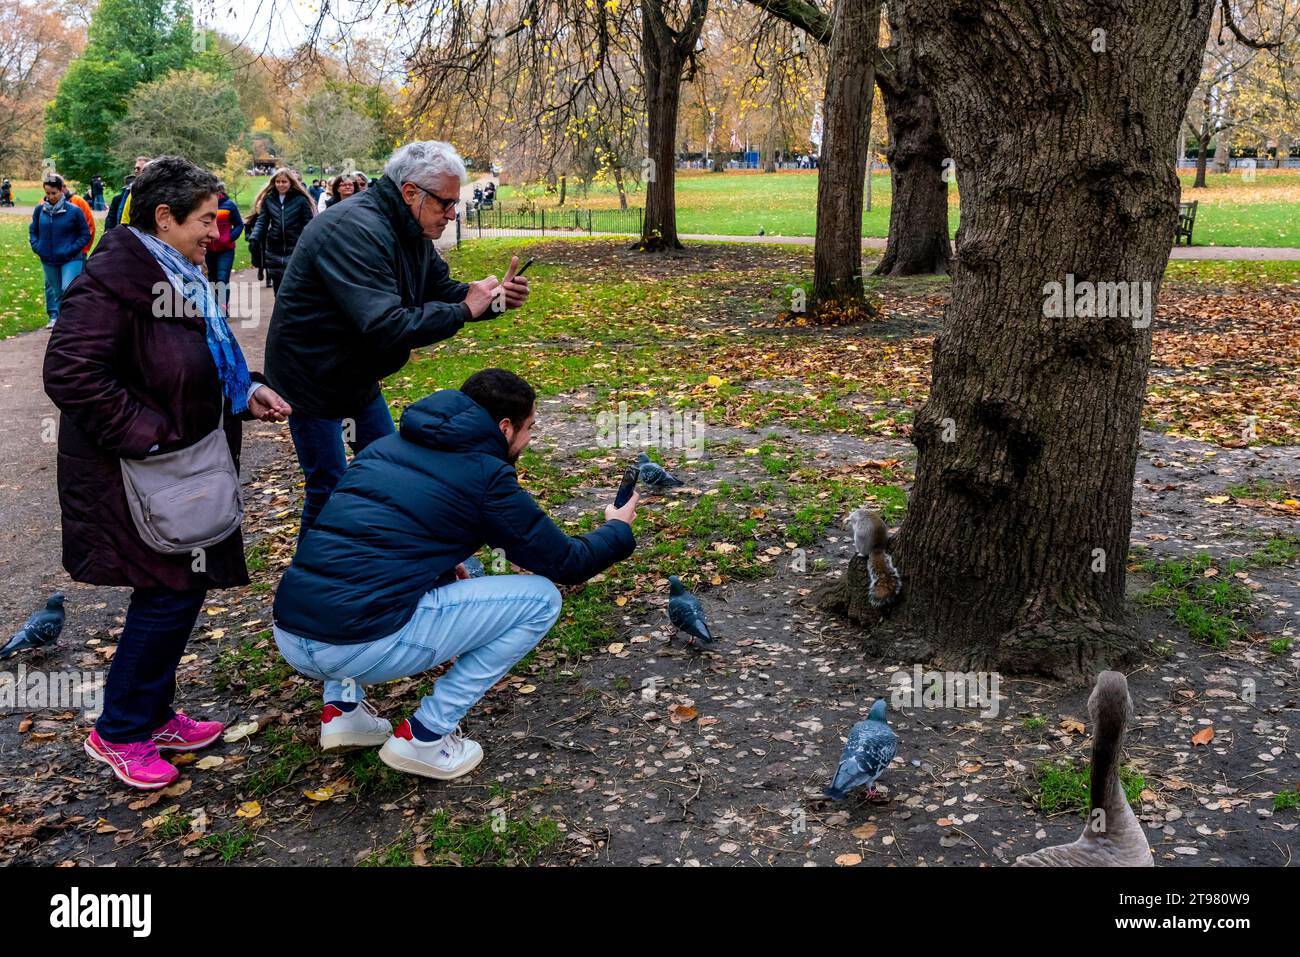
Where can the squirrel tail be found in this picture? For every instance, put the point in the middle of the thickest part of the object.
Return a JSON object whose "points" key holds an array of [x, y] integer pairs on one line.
{"points": [[886, 582]]}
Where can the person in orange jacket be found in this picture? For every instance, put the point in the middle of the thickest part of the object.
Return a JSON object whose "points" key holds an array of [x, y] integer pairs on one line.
{"points": [[85, 211]]}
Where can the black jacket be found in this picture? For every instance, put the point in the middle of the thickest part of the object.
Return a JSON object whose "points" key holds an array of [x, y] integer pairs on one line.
{"points": [[411, 507], [115, 209], [363, 290], [279, 226]]}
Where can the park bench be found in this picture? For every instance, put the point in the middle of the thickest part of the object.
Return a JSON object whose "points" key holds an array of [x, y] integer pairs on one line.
{"points": [[1186, 220]]}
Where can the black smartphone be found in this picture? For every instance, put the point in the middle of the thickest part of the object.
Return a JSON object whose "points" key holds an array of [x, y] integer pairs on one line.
{"points": [[627, 486], [524, 267]]}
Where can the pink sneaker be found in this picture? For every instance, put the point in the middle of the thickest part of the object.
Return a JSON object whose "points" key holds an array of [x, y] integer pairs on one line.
{"points": [[137, 764], [183, 733]]}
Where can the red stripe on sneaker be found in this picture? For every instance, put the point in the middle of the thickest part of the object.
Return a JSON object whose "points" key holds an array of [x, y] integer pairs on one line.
{"points": [[404, 731], [329, 713]]}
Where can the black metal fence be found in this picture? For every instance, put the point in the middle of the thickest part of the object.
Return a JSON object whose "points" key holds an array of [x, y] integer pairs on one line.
{"points": [[497, 220]]}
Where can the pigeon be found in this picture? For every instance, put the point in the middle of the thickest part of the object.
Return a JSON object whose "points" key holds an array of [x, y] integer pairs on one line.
{"points": [[42, 628], [871, 746], [655, 475], [686, 612], [474, 567]]}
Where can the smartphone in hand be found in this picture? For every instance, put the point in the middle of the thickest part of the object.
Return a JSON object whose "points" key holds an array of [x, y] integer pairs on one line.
{"points": [[627, 486]]}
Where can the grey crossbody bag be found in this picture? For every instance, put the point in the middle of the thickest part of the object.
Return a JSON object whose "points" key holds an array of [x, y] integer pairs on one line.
{"points": [[186, 499]]}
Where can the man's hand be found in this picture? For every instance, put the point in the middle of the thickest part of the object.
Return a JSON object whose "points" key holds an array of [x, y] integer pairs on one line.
{"points": [[462, 573], [625, 514], [515, 287], [267, 405], [480, 295]]}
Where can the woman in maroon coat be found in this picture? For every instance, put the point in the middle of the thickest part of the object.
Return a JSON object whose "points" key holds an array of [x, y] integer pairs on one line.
{"points": [[135, 375]]}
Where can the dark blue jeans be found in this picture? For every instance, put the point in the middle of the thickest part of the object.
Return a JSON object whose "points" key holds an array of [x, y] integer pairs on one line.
{"points": [[219, 266], [142, 678], [319, 444]]}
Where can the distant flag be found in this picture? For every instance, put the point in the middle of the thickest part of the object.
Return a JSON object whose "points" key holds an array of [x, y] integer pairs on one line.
{"points": [[735, 140], [815, 134]]}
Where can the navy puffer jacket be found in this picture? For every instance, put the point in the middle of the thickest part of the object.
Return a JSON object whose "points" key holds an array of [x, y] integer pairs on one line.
{"points": [[408, 510], [57, 233]]}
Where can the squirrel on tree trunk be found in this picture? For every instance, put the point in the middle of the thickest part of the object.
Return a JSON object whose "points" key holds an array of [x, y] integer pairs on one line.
{"points": [[871, 539]]}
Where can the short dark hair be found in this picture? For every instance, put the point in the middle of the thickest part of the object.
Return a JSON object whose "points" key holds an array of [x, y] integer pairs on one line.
{"points": [[502, 393], [172, 181], [53, 179]]}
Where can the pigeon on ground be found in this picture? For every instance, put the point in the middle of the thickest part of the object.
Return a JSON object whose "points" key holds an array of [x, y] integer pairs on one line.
{"points": [[871, 746], [686, 613], [655, 475], [474, 567], [41, 629]]}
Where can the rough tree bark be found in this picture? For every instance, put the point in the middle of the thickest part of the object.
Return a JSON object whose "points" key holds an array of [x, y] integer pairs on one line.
{"points": [[1014, 547], [665, 51], [850, 85], [918, 211]]}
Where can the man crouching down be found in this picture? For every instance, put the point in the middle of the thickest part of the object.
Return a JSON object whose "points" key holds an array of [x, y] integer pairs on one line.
{"points": [[377, 590]]}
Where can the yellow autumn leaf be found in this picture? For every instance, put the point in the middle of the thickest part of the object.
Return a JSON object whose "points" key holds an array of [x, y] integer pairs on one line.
{"points": [[319, 794], [249, 809], [1217, 499]]}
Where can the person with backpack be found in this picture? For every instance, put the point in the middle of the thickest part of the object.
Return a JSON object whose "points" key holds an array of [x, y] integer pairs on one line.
{"points": [[220, 257]]}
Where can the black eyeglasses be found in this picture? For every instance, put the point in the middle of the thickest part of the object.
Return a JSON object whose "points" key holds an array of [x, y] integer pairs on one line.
{"points": [[446, 204]]}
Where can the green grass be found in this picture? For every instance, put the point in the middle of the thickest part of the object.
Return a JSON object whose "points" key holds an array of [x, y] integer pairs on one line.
{"points": [[1033, 724], [1259, 488], [1210, 609], [738, 203], [1287, 800], [229, 845], [289, 755], [1063, 786], [502, 840], [22, 281]]}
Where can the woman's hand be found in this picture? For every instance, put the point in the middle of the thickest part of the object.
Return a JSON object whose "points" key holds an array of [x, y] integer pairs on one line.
{"points": [[267, 405]]}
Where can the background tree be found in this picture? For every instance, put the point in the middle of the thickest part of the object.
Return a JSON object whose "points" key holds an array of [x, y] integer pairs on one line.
{"points": [[850, 83], [328, 130], [130, 43], [35, 48], [187, 113]]}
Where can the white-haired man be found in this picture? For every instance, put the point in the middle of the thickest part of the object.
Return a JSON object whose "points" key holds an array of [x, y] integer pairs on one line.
{"points": [[365, 287]]}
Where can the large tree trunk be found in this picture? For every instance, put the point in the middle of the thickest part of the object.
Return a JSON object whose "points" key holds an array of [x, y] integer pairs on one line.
{"points": [[1014, 546], [850, 83], [664, 53], [918, 212]]}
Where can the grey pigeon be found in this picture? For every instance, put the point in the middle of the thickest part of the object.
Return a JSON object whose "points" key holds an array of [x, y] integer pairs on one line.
{"points": [[871, 746], [42, 628], [474, 567], [686, 612], [655, 475]]}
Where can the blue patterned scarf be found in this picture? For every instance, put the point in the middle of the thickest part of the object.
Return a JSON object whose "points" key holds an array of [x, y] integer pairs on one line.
{"points": [[193, 285]]}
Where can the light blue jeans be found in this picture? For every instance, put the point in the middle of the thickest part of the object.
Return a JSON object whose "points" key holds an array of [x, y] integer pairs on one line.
{"points": [[57, 281], [486, 624]]}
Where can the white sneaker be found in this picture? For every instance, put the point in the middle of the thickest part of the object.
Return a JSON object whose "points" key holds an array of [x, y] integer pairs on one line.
{"points": [[359, 728], [449, 757]]}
